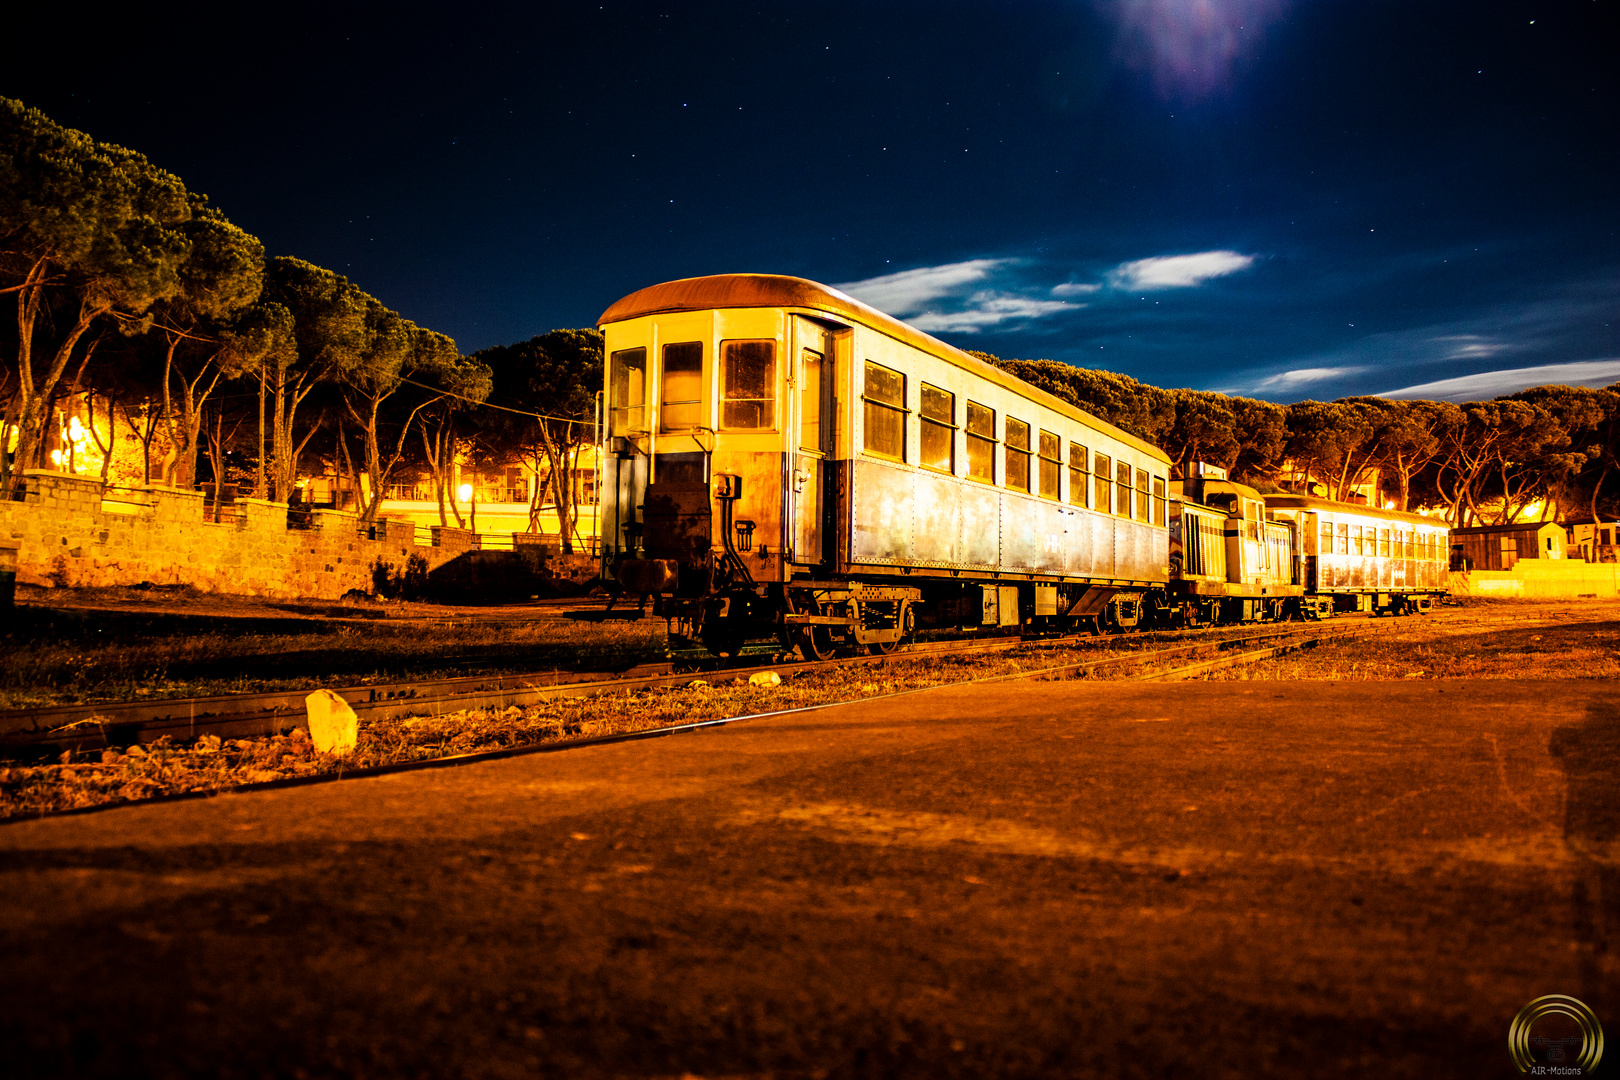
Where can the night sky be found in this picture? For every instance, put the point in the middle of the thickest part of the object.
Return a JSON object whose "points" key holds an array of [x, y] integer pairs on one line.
{"points": [[1279, 199]]}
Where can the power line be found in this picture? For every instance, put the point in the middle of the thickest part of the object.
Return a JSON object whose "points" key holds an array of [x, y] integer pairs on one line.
{"points": [[489, 405]]}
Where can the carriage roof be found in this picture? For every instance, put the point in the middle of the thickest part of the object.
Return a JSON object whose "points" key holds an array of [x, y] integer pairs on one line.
{"points": [[782, 291]]}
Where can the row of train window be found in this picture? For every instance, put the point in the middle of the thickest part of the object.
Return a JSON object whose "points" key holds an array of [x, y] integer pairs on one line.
{"points": [[1343, 538], [747, 403], [747, 387], [1034, 465]]}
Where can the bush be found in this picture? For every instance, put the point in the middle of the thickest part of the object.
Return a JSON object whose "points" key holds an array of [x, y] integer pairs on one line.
{"points": [[410, 583]]}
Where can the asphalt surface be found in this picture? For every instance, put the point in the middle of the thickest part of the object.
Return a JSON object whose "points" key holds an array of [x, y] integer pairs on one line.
{"points": [[1034, 879]]}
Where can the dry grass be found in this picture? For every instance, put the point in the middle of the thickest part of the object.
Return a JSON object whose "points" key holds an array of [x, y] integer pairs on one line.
{"points": [[1490, 640]]}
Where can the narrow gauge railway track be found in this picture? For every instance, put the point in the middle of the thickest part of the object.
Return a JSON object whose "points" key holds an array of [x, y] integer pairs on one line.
{"points": [[92, 726]]}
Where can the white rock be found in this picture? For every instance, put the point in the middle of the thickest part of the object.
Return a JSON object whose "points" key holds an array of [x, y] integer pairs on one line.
{"points": [[765, 678], [332, 724]]}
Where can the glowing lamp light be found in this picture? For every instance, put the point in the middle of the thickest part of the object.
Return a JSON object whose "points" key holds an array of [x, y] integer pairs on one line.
{"points": [[465, 491]]}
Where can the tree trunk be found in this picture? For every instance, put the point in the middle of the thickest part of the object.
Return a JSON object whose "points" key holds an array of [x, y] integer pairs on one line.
{"points": [[259, 490]]}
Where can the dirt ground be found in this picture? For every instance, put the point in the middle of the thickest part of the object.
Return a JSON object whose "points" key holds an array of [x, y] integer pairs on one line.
{"points": [[1333, 879]]}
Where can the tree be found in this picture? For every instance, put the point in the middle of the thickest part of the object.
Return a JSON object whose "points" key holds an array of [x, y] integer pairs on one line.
{"points": [[325, 338], [1406, 437], [1329, 440], [1205, 429], [554, 379], [401, 364], [204, 330], [1145, 411], [88, 231], [1261, 428], [1591, 419]]}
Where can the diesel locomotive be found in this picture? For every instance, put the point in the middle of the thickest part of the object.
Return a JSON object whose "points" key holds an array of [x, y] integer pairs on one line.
{"points": [[780, 460]]}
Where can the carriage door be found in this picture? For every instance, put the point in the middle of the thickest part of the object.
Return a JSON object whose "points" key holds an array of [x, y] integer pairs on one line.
{"points": [[813, 381]]}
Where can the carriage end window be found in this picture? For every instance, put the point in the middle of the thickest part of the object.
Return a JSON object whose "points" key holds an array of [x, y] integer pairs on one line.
{"points": [[748, 385], [681, 393], [629, 386], [1159, 516], [1079, 474], [938, 429], [1104, 488], [885, 412], [981, 443], [1017, 455], [1051, 456]]}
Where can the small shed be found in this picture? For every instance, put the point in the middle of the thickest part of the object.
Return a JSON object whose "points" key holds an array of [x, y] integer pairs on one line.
{"points": [[1498, 547]]}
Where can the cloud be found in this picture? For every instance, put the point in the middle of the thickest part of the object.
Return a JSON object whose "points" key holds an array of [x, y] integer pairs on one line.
{"points": [[1470, 346], [987, 309], [1075, 288], [1290, 380], [1489, 384], [1178, 271], [911, 291]]}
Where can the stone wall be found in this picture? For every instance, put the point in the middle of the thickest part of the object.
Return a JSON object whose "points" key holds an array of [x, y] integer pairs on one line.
{"points": [[68, 531]]}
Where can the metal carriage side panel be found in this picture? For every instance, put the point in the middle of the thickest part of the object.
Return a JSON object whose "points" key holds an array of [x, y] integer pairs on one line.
{"points": [[1104, 551], [1079, 559], [1020, 534], [979, 542], [936, 534], [1131, 550], [881, 499], [1049, 518]]}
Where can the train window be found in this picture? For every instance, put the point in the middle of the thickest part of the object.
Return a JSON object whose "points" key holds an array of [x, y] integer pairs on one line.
{"points": [[1144, 508], [748, 385], [1104, 502], [1017, 475], [981, 443], [1325, 545], [1122, 489], [1079, 474], [885, 413], [1383, 543], [1158, 501], [1051, 453], [938, 429], [810, 401], [1344, 538], [1355, 540], [629, 408], [681, 393]]}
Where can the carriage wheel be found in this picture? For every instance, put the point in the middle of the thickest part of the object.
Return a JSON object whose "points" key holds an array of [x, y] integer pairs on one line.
{"points": [[815, 642], [908, 626]]}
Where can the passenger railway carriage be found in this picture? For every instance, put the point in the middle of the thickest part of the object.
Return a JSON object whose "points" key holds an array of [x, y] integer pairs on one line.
{"points": [[1361, 557], [781, 460], [784, 460]]}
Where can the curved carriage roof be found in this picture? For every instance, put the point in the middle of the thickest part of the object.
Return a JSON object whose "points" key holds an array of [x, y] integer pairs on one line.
{"points": [[1311, 502], [782, 291]]}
